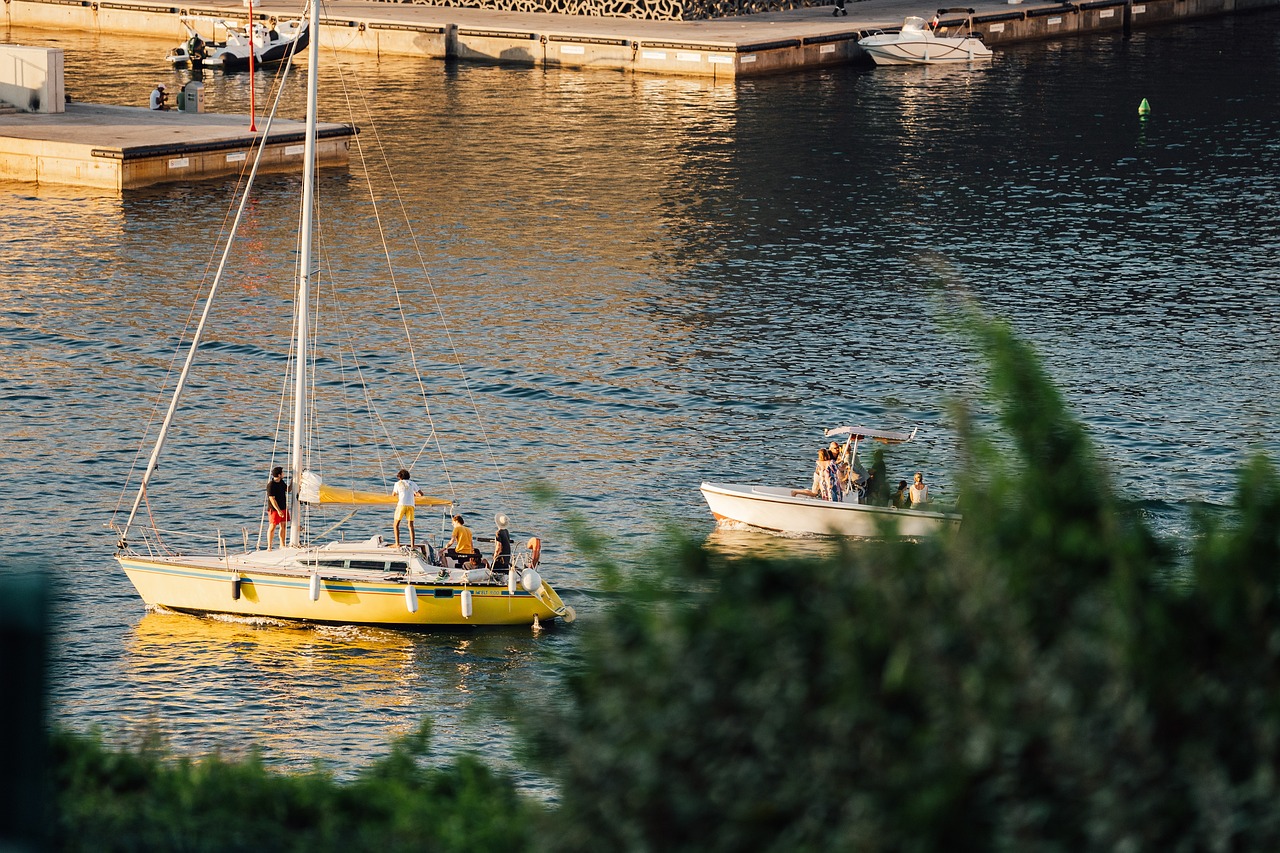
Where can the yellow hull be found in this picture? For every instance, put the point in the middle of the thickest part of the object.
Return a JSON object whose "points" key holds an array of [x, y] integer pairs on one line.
{"points": [[188, 585]]}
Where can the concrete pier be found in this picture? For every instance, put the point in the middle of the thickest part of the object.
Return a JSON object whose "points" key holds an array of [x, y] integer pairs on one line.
{"points": [[117, 148], [722, 49]]}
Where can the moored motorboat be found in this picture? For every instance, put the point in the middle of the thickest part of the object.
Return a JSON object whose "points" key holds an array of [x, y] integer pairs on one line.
{"points": [[314, 577], [924, 43], [783, 509], [272, 44]]}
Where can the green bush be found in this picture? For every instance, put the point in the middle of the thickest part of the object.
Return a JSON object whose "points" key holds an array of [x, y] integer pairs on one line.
{"points": [[146, 799], [1033, 682]]}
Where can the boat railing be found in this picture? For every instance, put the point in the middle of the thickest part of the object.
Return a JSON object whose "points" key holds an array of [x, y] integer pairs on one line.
{"points": [[159, 542]]}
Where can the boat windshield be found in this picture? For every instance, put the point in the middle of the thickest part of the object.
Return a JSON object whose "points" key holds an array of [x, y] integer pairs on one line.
{"points": [[913, 22]]}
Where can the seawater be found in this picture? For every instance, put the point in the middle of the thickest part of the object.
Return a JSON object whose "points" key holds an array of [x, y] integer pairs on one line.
{"points": [[647, 283]]}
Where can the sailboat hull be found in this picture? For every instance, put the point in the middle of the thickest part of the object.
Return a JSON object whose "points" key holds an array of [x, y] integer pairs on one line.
{"points": [[191, 585]]}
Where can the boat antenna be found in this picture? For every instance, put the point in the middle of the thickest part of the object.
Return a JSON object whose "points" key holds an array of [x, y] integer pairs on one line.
{"points": [[302, 306]]}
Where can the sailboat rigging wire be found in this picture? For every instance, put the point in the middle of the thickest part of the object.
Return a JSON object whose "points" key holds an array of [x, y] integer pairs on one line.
{"points": [[199, 332], [435, 296], [377, 423], [230, 215], [395, 286]]}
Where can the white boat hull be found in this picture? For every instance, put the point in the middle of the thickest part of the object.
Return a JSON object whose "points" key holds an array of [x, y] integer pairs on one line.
{"points": [[923, 49], [773, 508]]}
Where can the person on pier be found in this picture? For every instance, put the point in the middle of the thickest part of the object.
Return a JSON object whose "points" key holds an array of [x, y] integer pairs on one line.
{"points": [[158, 95]]}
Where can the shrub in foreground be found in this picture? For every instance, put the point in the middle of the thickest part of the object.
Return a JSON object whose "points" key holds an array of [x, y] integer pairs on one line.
{"points": [[145, 799], [1034, 682]]}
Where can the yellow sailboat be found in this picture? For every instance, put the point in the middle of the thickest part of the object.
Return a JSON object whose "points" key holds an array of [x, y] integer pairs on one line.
{"points": [[318, 578]]}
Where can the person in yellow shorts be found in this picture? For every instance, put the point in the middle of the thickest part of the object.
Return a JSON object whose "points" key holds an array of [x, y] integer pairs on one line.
{"points": [[404, 492]]}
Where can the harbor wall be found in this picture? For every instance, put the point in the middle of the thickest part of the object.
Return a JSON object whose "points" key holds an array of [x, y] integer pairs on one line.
{"points": [[1066, 19], [614, 43]]}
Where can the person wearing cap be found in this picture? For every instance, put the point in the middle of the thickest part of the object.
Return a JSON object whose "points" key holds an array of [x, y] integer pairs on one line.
{"points": [[277, 505], [158, 95]]}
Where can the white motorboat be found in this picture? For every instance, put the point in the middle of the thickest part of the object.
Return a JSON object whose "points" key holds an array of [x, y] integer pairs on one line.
{"points": [[775, 508], [921, 42], [320, 576], [272, 44]]}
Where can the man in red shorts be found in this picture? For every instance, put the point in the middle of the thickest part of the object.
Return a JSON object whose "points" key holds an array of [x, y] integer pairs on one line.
{"points": [[277, 505]]}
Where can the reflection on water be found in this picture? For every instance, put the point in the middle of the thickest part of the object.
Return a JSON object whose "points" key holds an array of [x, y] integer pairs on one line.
{"points": [[230, 684], [656, 282], [734, 540]]}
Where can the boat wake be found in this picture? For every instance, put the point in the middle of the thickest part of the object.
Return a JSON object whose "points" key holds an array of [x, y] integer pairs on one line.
{"points": [[231, 618]]}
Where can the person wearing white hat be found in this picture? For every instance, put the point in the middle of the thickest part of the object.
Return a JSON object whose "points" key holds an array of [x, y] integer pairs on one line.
{"points": [[158, 95], [501, 545]]}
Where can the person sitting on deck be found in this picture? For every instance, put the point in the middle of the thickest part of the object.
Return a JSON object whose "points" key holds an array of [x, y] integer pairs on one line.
{"points": [[919, 492], [158, 95], [901, 499], [826, 480], [460, 547]]}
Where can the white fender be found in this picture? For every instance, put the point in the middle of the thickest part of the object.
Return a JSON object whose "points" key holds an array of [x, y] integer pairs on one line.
{"points": [[411, 598], [531, 582], [466, 604], [512, 580], [235, 586], [315, 587]]}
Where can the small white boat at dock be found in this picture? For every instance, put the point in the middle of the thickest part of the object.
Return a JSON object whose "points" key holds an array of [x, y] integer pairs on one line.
{"points": [[776, 508], [271, 45], [918, 42]]}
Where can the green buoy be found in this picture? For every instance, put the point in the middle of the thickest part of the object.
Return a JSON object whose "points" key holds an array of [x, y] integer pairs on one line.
{"points": [[1144, 108]]}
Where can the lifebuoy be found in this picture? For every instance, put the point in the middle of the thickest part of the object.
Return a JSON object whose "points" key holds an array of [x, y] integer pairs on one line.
{"points": [[535, 551]]}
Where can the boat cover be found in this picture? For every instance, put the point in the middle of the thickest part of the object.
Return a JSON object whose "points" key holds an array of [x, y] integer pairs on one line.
{"points": [[314, 491], [883, 436]]}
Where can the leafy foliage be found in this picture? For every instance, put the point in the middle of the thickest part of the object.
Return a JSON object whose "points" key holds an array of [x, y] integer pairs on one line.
{"points": [[1029, 683], [145, 799]]}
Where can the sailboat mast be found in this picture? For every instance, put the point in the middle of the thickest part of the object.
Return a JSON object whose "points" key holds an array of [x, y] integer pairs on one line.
{"points": [[303, 303]]}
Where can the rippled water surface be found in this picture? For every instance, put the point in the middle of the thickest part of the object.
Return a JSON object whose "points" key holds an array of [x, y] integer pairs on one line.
{"points": [[649, 283]]}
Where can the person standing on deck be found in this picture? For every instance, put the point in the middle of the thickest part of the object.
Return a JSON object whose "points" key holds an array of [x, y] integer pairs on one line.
{"points": [[501, 546], [277, 505], [404, 492]]}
